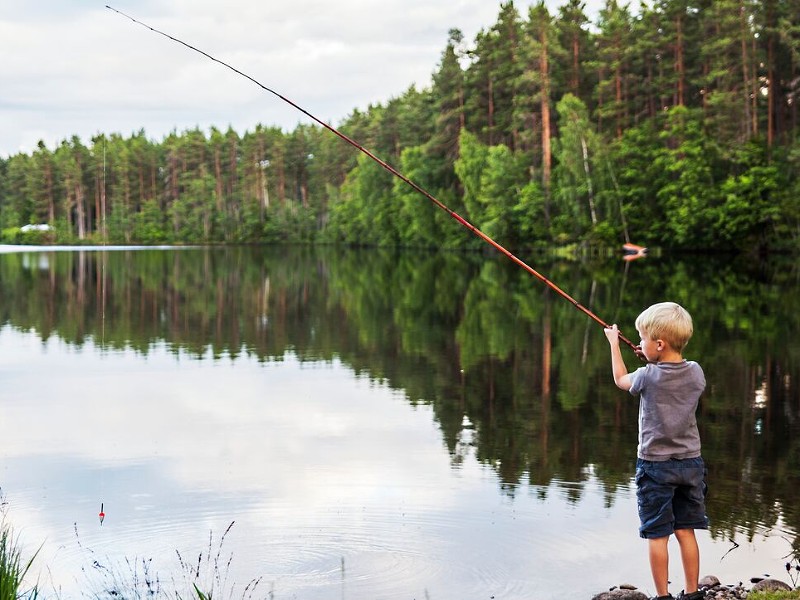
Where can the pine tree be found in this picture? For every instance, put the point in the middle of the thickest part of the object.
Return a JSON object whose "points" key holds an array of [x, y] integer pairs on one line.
{"points": [[614, 42], [448, 94], [541, 49], [780, 45], [575, 39], [73, 162], [729, 79], [42, 188], [492, 79]]}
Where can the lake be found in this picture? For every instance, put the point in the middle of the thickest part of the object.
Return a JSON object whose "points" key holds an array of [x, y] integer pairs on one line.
{"points": [[361, 424]]}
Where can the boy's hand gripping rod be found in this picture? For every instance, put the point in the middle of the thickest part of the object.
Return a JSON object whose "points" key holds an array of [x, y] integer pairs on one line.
{"points": [[397, 174]]}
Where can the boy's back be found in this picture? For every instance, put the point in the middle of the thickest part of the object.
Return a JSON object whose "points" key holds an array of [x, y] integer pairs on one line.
{"points": [[669, 393]]}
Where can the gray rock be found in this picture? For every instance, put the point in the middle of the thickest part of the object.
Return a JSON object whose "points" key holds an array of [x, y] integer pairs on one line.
{"points": [[726, 592], [709, 581], [620, 594], [771, 585]]}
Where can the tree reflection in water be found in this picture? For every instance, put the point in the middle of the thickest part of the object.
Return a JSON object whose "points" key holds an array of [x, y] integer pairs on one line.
{"points": [[514, 374]]}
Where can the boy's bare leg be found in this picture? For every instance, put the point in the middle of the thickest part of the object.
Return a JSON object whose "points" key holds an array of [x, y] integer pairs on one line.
{"points": [[690, 556], [659, 564]]}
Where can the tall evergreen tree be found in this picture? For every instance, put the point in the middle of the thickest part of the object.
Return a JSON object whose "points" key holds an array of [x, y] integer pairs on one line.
{"points": [[680, 28], [448, 94], [614, 43], [540, 50], [42, 188], [780, 44], [16, 208], [574, 37], [730, 72], [492, 79], [75, 169]]}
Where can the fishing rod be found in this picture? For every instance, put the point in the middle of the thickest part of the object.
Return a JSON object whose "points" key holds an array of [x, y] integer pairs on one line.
{"points": [[461, 220]]}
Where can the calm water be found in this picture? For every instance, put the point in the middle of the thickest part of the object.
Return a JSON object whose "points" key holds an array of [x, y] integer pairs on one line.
{"points": [[376, 425]]}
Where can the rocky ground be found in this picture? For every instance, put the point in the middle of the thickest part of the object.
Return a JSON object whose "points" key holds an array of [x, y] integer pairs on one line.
{"points": [[714, 589]]}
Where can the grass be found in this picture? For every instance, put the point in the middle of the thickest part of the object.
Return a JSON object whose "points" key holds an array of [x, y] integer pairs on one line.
{"points": [[203, 578], [13, 568], [211, 572], [793, 595]]}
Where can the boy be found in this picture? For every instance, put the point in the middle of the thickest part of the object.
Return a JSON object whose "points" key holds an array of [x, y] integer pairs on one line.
{"points": [[670, 473]]}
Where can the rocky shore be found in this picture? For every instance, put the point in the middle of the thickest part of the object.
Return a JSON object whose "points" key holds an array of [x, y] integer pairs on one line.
{"points": [[714, 589]]}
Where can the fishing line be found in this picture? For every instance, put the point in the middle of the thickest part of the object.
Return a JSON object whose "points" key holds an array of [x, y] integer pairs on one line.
{"points": [[477, 232]]}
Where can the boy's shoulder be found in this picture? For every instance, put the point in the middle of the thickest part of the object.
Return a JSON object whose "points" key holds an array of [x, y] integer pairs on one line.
{"points": [[684, 367], [667, 373], [683, 363]]}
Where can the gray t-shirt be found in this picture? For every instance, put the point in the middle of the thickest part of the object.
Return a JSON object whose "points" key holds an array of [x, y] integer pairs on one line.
{"points": [[668, 396]]}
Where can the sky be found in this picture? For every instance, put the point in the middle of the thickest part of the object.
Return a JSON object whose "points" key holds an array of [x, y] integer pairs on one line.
{"points": [[74, 67]]}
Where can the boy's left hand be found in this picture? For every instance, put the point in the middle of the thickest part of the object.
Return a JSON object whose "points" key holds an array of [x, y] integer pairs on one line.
{"points": [[612, 334]]}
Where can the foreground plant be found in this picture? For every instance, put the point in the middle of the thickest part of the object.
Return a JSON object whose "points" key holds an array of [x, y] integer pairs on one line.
{"points": [[792, 595], [208, 576], [205, 578], [13, 568]]}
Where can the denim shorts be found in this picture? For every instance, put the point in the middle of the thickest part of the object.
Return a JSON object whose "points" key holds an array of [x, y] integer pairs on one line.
{"points": [[671, 495]]}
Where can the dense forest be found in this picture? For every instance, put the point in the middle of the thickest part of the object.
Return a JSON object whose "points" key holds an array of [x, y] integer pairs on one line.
{"points": [[673, 124]]}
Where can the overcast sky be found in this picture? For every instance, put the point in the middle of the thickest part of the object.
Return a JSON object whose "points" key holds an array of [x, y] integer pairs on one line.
{"points": [[74, 67]]}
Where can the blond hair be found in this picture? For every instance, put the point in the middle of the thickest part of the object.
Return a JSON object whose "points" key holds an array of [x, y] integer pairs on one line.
{"points": [[666, 321]]}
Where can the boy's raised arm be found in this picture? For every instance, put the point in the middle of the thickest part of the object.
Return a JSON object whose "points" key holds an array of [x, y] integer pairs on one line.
{"points": [[618, 369]]}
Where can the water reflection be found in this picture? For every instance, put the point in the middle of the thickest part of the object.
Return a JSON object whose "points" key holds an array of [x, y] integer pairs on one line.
{"points": [[513, 375]]}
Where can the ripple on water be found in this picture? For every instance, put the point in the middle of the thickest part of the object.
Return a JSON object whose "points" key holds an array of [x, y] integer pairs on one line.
{"points": [[396, 552]]}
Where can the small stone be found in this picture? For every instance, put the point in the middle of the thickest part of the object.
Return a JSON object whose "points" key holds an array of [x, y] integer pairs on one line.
{"points": [[620, 595], [627, 586], [709, 581], [771, 585]]}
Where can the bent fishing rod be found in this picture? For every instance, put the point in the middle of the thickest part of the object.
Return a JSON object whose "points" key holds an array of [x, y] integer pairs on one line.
{"points": [[461, 220]]}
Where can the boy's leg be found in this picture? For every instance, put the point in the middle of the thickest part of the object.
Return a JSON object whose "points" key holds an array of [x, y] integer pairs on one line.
{"points": [[690, 557], [659, 564], [690, 514]]}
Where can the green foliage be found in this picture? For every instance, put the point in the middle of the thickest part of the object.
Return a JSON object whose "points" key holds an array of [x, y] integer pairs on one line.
{"points": [[499, 191], [632, 159], [365, 213], [418, 223], [16, 235], [674, 127], [790, 595], [574, 176], [747, 209], [149, 224], [688, 193], [529, 212], [469, 168], [13, 567]]}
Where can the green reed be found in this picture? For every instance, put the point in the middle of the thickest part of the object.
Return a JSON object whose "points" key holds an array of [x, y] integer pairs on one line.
{"points": [[203, 578], [13, 567]]}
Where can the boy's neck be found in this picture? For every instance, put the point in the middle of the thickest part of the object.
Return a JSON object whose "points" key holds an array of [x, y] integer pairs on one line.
{"points": [[669, 356]]}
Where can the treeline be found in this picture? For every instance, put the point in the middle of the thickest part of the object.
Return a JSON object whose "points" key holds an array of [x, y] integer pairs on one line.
{"points": [[674, 125]]}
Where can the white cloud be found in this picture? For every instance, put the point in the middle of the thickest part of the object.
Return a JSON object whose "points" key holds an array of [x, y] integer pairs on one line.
{"points": [[78, 68]]}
